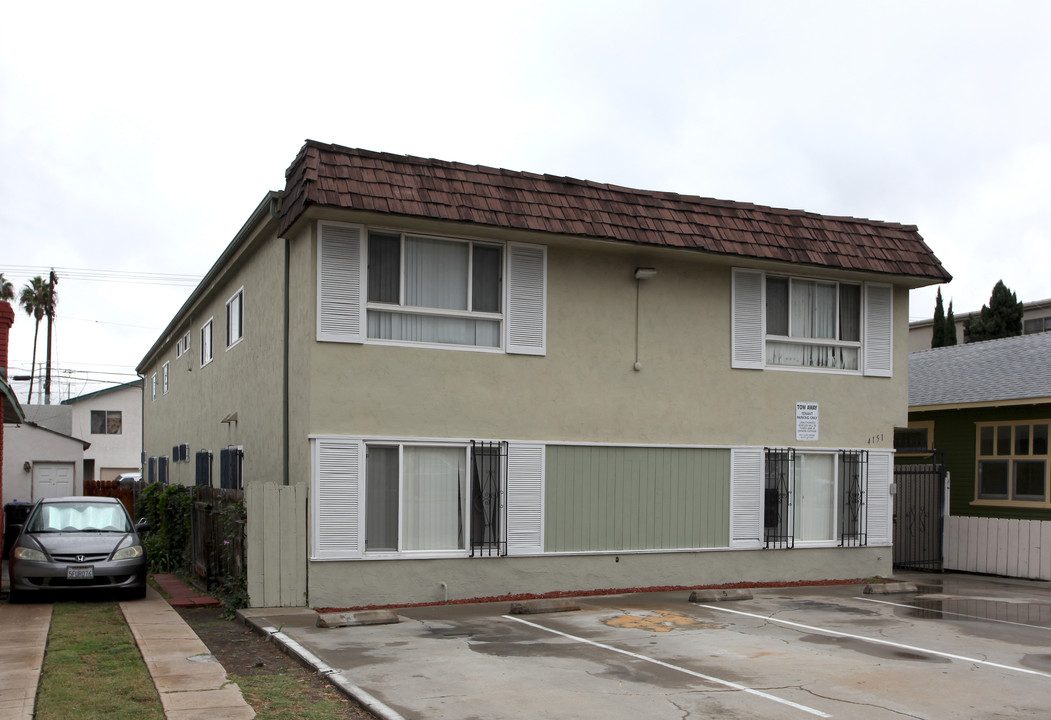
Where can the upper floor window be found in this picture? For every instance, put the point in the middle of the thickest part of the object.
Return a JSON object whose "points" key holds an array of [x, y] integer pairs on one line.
{"points": [[1036, 325], [811, 324], [106, 422], [235, 318], [164, 381], [1012, 461], [153, 384], [391, 287], [434, 290], [206, 343]]}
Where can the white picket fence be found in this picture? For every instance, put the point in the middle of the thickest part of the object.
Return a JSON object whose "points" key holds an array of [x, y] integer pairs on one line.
{"points": [[997, 546]]}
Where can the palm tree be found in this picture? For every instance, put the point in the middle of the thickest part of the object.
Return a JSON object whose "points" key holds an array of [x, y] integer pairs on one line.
{"points": [[32, 299], [7, 290]]}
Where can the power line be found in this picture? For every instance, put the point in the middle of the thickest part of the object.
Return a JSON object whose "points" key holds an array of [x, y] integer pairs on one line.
{"points": [[91, 275]]}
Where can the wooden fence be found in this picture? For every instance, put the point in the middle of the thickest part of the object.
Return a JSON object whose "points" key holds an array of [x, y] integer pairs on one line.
{"points": [[217, 527], [126, 491], [277, 557]]}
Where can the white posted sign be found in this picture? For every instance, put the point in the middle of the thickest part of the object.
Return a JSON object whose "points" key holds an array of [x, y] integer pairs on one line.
{"points": [[806, 421]]}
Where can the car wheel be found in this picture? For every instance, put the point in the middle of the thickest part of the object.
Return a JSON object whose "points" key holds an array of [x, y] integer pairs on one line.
{"points": [[137, 593], [15, 597]]}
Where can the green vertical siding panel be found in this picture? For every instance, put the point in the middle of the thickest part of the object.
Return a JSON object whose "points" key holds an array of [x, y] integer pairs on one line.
{"points": [[623, 498]]}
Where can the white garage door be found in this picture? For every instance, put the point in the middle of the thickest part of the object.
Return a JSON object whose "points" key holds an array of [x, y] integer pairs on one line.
{"points": [[52, 480]]}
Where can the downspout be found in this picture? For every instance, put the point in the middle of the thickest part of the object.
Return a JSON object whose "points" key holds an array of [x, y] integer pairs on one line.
{"points": [[284, 373]]}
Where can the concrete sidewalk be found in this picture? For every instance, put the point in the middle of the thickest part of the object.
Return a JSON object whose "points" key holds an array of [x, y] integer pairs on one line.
{"points": [[191, 684]]}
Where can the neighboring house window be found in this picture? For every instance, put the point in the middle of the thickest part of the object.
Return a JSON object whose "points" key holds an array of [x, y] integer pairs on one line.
{"points": [[385, 286], [106, 422], [206, 343], [235, 318], [164, 383], [1036, 325], [151, 470], [203, 474], [1013, 461], [162, 470], [153, 385], [814, 498], [810, 324]]}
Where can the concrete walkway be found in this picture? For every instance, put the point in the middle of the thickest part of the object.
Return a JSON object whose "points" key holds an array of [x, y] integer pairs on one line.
{"points": [[23, 637], [191, 684]]}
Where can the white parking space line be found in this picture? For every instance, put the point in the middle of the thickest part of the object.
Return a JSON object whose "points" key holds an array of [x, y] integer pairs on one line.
{"points": [[875, 641], [709, 678], [947, 612]]}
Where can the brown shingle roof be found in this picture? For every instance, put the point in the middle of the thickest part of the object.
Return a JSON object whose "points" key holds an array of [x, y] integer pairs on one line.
{"points": [[336, 176]]}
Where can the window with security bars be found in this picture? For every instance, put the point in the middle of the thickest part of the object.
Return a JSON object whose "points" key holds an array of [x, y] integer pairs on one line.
{"points": [[777, 496], [488, 510], [814, 498]]}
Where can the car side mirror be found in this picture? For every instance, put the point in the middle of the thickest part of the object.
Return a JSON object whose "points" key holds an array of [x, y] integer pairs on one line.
{"points": [[142, 527]]}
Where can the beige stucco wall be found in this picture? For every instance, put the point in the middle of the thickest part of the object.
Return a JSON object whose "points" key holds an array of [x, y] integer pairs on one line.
{"points": [[244, 379], [586, 388], [363, 582]]}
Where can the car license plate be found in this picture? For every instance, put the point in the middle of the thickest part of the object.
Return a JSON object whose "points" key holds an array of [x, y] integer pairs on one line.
{"points": [[80, 573]]}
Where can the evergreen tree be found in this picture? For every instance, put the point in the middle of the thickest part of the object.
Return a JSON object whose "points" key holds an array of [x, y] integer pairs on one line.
{"points": [[1001, 318], [938, 334], [950, 327]]}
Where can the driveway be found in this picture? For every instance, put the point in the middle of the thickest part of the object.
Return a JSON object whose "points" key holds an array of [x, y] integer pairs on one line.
{"points": [[961, 647]]}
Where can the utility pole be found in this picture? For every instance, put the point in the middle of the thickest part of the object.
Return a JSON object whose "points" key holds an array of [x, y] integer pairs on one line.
{"points": [[49, 309]]}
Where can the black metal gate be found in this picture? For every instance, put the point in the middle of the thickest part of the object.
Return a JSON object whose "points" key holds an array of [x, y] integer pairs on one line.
{"points": [[919, 515]]}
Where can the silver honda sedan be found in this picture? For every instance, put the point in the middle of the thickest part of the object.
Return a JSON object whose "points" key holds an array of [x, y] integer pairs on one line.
{"points": [[75, 544]]}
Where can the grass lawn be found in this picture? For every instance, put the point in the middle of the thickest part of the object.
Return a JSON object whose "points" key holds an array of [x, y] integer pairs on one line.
{"points": [[92, 668]]}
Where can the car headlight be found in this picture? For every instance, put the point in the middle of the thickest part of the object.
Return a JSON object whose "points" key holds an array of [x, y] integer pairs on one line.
{"points": [[128, 553], [24, 553]]}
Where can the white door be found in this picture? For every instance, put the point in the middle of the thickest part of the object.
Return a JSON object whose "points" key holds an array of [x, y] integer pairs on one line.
{"points": [[52, 480]]}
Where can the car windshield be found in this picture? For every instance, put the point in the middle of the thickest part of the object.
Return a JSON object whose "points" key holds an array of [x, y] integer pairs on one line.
{"points": [[78, 517]]}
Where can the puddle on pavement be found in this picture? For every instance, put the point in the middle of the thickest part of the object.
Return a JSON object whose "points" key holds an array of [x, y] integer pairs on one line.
{"points": [[963, 609], [885, 652]]}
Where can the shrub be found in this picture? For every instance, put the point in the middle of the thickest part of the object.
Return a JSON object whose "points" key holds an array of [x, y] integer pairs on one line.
{"points": [[167, 509]]}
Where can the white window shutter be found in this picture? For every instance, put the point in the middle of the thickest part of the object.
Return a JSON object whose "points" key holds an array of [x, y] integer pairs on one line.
{"points": [[337, 501], [746, 497], [879, 330], [878, 500], [747, 327], [525, 499], [526, 299], [341, 288]]}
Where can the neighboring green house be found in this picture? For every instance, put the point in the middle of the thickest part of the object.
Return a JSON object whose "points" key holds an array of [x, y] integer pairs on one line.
{"points": [[987, 407], [440, 381]]}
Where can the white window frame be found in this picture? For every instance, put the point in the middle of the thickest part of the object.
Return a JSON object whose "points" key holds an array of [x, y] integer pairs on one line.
{"points": [[207, 341], [236, 299], [749, 332], [342, 291], [153, 384], [165, 375], [339, 485], [186, 342]]}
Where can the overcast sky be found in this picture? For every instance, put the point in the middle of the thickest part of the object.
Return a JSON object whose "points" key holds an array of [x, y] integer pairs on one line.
{"points": [[138, 137]]}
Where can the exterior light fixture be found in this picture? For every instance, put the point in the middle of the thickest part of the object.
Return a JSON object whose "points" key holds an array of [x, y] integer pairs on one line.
{"points": [[645, 273]]}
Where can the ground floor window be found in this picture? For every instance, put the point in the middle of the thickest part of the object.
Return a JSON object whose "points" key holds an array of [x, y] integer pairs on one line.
{"points": [[1013, 461], [414, 498], [814, 497]]}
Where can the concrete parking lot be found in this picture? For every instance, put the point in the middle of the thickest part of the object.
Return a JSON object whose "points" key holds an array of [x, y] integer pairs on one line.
{"points": [[961, 647]]}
